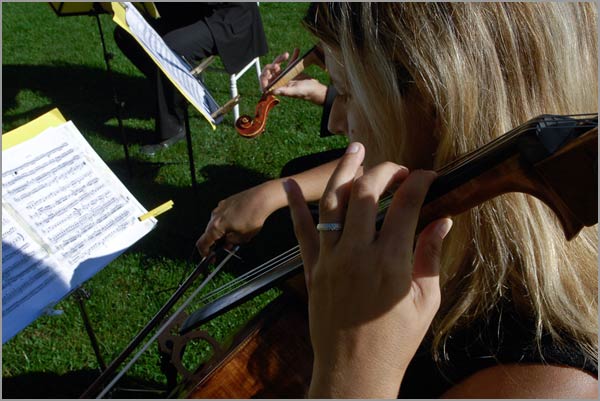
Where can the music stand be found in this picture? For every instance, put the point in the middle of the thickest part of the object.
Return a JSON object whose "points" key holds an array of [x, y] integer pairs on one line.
{"points": [[88, 8], [149, 9], [94, 9]]}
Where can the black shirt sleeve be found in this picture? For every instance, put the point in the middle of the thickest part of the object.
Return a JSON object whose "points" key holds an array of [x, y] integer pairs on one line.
{"points": [[329, 98]]}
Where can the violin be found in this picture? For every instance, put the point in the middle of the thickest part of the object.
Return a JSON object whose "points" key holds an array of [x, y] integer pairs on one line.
{"points": [[249, 127], [553, 158]]}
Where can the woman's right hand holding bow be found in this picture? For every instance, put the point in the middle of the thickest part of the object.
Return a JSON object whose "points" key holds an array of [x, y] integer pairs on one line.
{"points": [[239, 217]]}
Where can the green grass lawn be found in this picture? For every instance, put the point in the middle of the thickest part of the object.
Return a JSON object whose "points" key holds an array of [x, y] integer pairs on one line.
{"points": [[50, 61]]}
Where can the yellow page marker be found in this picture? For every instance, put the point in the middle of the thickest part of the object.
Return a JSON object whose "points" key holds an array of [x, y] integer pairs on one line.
{"points": [[157, 211]]}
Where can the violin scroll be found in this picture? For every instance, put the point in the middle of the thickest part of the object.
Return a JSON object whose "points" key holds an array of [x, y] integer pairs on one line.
{"points": [[249, 127]]}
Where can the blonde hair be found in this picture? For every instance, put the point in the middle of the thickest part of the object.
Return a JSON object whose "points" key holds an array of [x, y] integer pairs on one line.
{"points": [[484, 68]]}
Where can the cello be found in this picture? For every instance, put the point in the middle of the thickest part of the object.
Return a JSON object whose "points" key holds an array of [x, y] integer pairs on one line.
{"points": [[553, 158]]}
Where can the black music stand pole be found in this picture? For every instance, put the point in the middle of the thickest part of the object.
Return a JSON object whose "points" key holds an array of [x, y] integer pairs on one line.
{"points": [[188, 137], [80, 295], [118, 104]]}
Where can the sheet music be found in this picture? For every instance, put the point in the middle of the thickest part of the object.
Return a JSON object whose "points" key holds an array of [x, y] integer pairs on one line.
{"points": [[28, 272], [64, 217], [171, 64]]}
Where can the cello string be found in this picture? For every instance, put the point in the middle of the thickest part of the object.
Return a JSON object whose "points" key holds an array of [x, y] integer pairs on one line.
{"points": [[260, 267], [258, 276], [248, 277], [494, 145], [267, 267], [482, 151], [272, 264], [511, 136], [251, 274], [559, 123], [236, 282]]}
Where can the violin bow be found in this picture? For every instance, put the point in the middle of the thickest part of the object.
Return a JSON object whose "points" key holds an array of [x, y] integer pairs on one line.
{"points": [[249, 127], [553, 158], [314, 56]]}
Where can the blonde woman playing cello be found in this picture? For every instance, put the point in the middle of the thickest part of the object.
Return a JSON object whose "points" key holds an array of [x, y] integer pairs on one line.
{"points": [[501, 305]]}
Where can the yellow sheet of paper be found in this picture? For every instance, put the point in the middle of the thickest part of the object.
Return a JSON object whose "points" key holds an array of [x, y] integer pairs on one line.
{"points": [[120, 19], [53, 118]]}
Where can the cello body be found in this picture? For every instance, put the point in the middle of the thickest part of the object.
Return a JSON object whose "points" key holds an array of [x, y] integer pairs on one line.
{"points": [[270, 358]]}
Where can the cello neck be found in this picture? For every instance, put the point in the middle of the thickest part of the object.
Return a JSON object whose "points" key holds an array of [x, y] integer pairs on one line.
{"points": [[528, 160]]}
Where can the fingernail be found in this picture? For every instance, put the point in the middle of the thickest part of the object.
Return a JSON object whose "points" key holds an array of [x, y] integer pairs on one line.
{"points": [[353, 148], [444, 228], [286, 186]]}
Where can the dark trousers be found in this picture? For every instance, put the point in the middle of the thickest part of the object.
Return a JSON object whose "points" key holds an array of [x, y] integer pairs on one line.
{"points": [[193, 42]]}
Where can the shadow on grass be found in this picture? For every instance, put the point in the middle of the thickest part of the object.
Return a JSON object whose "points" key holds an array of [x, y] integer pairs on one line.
{"points": [[71, 385], [179, 228], [82, 94]]}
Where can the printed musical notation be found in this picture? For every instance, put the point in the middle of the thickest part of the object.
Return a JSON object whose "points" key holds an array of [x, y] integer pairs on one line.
{"points": [[25, 266], [170, 63], [65, 215]]}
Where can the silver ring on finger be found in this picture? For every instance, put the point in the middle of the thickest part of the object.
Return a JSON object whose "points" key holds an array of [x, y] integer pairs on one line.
{"points": [[330, 227]]}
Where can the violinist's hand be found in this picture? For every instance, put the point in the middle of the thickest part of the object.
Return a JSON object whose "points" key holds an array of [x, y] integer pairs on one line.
{"points": [[301, 87], [241, 216], [371, 298]]}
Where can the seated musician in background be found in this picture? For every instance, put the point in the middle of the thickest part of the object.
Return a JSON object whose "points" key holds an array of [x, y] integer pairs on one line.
{"points": [[499, 306], [233, 31], [242, 215], [307, 88]]}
